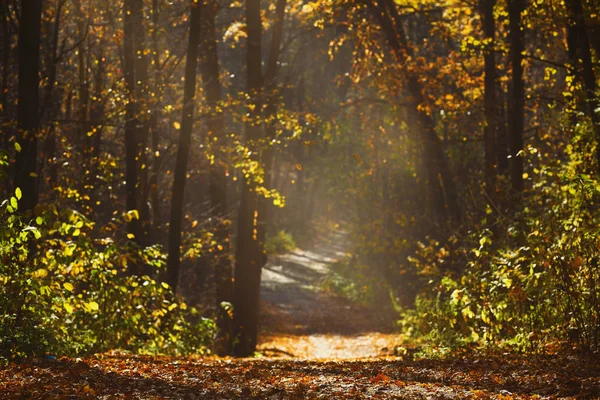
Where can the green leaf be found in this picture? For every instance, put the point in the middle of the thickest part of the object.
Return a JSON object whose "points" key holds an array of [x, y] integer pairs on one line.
{"points": [[18, 193], [39, 220], [17, 147], [14, 203]]}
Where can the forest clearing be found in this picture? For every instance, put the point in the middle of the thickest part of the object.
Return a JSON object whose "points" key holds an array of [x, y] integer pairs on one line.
{"points": [[299, 199]]}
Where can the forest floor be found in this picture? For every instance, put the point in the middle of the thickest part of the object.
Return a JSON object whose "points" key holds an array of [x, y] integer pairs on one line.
{"points": [[314, 346]]}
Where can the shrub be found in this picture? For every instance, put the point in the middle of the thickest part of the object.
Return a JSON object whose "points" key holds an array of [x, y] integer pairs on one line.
{"points": [[280, 243], [64, 290]]}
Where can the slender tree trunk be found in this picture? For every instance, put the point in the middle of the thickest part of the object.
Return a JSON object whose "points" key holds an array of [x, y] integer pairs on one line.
{"points": [[82, 137], [209, 66], [28, 113], [439, 176], [131, 122], [5, 55], [50, 105], [183, 148], [249, 255], [96, 116], [582, 53], [490, 102], [142, 96], [517, 98], [502, 132], [154, 133], [273, 97]]}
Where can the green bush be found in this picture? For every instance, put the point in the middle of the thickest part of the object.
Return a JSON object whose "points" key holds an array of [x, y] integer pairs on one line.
{"points": [[280, 243], [535, 281], [65, 289]]}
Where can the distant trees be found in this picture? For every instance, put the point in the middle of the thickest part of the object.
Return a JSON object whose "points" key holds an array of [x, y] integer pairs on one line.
{"points": [[439, 176]]}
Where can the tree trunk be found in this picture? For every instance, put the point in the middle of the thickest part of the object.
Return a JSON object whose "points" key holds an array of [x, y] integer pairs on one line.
{"points": [[490, 108], [439, 176], [215, 124], [183, 148], [517, 98], [273, 99], [580, 51], [28, 113], [249, 255], [50, 105], [5, 55], [154, 128], [142, 97], [131, 123]]}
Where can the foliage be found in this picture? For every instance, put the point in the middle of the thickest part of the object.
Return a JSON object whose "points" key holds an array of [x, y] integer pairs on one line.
{"points": [[357, 283], [280, 243], [63, 291], [532, 281]]}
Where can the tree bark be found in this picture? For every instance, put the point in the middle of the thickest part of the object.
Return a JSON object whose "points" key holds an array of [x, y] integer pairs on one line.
{"points": [[142, 97], [490, 102], [50, 105], [183, 148], [517, 98], [215, 124], [131, 122], [249, 255], [28, 113]]}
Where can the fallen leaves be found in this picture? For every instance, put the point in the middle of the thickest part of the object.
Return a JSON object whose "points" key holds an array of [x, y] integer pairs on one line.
{"points": [[122, 376]]}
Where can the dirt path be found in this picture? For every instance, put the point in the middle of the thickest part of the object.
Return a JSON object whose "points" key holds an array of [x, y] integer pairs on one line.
{"points": [[298, 320]]}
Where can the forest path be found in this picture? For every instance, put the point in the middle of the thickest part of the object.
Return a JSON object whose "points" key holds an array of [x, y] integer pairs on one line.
{"points": [[299, 320]]}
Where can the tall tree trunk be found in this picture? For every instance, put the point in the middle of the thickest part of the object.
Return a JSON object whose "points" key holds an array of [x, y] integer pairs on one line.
{"points": [[28, 113], [273, 97], [490, 102], [440, 178], [5, 55], [249, 254], [580, 51], [50, 105], [96, 116], [131, 123], [156, 112], [142, 97], [517, 98], [183, 148], [209, 66], [502, 132], [82, 138]]}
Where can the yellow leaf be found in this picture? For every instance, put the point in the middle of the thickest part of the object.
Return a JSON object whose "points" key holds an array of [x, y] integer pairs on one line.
{"points": [[68, 286], [18, 193], [449, 97], [165, 285], [525, 175], [93, 305], [69, 308], [194, 224], [76, 232], [299, 167], [130, 236], [176, 125]]}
